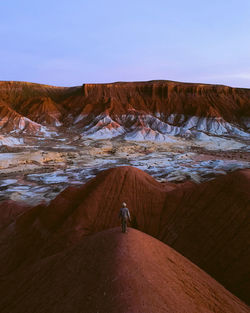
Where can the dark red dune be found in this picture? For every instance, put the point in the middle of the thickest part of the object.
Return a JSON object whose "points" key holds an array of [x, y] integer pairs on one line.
{"points": [[111, 272], [207, 223]]}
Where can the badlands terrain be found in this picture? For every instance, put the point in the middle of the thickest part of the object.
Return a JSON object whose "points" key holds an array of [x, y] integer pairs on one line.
{"points": [[176, 153], [70, 256], [54, 137]]}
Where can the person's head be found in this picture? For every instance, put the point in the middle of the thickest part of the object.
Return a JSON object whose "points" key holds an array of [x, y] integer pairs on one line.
{"points": [[124, 204]]}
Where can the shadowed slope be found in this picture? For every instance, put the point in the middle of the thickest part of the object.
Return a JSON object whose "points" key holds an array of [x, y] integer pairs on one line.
{"points": [[77, 212], [9, 210], [111, 272], [206, 223], [43, 110], [209, 224]]}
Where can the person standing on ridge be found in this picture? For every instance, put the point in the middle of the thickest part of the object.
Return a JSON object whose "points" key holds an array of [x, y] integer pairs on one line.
{"points": [[124, 215]]}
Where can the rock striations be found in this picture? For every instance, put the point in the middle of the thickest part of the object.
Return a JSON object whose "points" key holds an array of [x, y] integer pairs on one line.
{"points": [[58, 251], [154, 110]]}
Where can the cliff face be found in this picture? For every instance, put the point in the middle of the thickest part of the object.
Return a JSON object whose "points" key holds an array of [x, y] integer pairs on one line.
{"points": [[149, 97], [167, 102], [167, 98]]}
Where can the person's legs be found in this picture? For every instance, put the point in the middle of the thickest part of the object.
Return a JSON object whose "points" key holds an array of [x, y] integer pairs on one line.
{"points": [[124, 226]]}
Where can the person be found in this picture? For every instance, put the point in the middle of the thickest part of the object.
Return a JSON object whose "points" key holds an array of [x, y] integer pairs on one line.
{"points": [[124, 215]]}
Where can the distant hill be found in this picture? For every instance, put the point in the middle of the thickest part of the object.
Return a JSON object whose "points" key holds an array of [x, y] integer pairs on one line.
{"points": [[151, 110]]}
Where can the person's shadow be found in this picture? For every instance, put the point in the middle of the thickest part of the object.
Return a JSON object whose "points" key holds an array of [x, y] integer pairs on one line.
{"points": [[133, 222]]}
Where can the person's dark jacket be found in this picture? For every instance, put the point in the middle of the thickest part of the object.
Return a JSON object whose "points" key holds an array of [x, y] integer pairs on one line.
{"points": [[124, 213]]}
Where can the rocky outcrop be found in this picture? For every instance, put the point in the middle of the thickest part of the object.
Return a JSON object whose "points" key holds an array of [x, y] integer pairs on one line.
{"points": [[167, 97], [151, 110]]}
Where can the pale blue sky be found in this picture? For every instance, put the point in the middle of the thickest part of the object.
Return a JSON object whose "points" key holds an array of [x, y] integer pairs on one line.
{"points": [[68, 43]]}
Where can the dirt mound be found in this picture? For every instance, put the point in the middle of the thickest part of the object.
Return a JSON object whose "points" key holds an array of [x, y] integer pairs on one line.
{"points": [[114, 272], [206, 223]]}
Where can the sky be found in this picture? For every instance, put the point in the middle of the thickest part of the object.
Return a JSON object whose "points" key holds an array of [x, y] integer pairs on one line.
{"points": [[68, 43]]}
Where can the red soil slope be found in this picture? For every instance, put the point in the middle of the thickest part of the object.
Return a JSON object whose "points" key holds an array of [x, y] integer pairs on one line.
{"points": [[34, 101], [11, 120], [9, 210], [43, 110], [122, 98], [208, 223], [111, 272]]}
